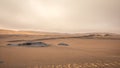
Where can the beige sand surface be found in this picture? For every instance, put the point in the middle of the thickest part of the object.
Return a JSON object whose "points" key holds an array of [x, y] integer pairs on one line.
{"points": [[81, 53]]}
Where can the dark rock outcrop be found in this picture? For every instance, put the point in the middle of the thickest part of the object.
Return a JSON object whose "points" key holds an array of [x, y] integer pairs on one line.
{"points": [[31, 44], [63, 44]]}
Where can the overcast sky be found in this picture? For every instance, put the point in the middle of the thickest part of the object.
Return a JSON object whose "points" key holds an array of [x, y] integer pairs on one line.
{"points": [[61, 15]]}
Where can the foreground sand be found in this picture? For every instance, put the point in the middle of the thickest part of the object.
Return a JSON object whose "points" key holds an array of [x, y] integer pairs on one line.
{"points": [[81, 53]]}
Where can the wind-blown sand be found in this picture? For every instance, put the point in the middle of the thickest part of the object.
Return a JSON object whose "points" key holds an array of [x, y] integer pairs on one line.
{"points": [[81, 53]]}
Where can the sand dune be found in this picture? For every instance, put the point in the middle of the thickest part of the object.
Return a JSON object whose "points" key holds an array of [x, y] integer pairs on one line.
{"points": [[83, 51], [14, 32]]}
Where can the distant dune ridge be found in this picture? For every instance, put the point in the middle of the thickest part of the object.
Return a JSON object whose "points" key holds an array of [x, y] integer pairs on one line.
{"points": [[62, 35], [5, 31], [10, 32]]}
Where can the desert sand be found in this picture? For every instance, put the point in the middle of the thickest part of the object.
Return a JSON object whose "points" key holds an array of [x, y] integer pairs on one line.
{"points": [[81, 52]]}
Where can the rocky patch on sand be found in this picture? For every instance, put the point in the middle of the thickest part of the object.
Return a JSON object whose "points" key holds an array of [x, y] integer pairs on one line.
{"points": [[31, 44], [63, 44]]}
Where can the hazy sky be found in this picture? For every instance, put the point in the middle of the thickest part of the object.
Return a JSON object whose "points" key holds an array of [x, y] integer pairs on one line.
{"points": [[61, 15]]}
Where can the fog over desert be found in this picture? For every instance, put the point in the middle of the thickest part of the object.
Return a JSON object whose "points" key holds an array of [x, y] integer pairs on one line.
{"points": [[59, 34]]}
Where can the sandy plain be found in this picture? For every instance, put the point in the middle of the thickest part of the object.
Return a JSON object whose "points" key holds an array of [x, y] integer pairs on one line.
{"points": [[81, 52]]}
